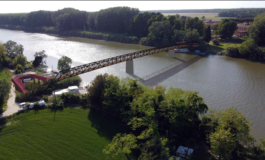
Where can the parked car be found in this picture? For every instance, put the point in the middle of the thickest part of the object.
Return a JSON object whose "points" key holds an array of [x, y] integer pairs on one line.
{"points": [[31, 105], [23, 104]]}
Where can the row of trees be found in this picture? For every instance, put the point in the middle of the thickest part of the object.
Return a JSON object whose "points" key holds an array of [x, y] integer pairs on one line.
{"points": [[157, 117], [154, 28], [241, 13]]}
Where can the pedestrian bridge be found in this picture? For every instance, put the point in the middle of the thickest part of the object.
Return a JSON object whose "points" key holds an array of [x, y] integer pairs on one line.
{"points": [[63, 74]]}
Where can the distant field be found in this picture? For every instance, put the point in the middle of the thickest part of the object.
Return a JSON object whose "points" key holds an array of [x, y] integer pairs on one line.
{"points": [[212, 16], [71, 133]]}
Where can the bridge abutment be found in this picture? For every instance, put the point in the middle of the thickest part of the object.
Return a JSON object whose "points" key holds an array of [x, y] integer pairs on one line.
{"points": [[171, 53], [129, 67]]}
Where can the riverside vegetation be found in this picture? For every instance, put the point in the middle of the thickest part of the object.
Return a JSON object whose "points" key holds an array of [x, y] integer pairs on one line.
{"points": [[137, 121]]}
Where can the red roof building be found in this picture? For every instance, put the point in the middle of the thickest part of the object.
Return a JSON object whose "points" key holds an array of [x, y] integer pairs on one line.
{"points": [[241, 30]]}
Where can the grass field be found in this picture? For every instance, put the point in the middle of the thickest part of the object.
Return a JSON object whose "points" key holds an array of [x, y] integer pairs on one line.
{"points": [[5, 74], [212, 16], [224, 44], [71, 133]]}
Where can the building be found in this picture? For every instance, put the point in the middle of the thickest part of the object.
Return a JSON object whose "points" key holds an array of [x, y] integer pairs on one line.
{"points": [[211, 22], [241, 30]]}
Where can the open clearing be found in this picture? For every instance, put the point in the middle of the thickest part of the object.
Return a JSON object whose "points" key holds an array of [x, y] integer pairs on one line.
{"points": [[70, 133]]}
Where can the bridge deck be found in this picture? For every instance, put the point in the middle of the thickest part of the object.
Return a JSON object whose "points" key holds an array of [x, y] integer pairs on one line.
{"points": [[114, 60]]}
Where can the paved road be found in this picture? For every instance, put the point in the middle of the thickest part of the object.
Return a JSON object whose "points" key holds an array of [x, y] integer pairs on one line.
{"points": [[12, 106]]}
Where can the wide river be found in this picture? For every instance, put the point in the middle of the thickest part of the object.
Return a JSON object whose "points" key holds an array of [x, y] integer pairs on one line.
{"points": [[222, 81]]}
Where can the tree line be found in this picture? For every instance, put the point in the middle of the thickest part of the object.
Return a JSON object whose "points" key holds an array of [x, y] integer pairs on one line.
{"points": [[147, 28], [242, 13]]}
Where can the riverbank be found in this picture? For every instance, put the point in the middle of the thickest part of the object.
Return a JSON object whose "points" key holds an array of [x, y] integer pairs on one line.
{"points": [[77, 33]]}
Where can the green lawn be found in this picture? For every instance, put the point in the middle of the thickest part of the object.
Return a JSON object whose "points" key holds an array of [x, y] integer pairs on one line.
{"points": [[224, 44], [5, 74], [70, 133]]}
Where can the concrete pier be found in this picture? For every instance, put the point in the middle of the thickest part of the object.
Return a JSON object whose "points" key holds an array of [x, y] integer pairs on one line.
{"points": [[171, 53], [129, 67]]}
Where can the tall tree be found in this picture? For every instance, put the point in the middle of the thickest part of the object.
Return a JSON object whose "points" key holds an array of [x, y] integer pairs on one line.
{"points": [[208, 35], [227, 28], [20, 59], [40, 59], [13, 49], [257, 30], [195, 23], [249, 49], [64, 63], [223, 143]]}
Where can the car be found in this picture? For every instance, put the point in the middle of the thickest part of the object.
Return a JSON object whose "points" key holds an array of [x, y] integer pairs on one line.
{"points": [[22, 104], [42, 103], [31, 105]]}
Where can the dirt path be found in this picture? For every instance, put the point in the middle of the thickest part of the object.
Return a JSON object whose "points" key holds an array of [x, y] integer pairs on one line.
{"points": [[12, 107]]}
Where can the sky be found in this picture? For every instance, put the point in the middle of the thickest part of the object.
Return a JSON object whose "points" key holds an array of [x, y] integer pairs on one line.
{"points": [[91, 6]]}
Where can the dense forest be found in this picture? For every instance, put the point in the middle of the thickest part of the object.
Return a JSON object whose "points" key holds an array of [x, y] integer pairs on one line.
{"points": [[242, 13], [129, 24]]}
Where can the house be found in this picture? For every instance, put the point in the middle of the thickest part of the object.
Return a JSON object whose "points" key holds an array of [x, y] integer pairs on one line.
{"points": [[241, 30], [211, 22]]}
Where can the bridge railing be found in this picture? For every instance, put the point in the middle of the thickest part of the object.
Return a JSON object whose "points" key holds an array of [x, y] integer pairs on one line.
{"points": [[114, 60]]}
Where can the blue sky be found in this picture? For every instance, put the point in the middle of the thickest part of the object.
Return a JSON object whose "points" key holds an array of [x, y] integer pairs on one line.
{"points": [[28, 6]]}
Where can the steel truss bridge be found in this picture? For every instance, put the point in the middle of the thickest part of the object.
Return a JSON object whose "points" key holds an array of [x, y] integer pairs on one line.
{"points": [[63, 74]]}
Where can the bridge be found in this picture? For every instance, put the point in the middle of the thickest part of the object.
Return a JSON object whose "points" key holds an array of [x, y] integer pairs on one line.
{"points": [[74, 71]]}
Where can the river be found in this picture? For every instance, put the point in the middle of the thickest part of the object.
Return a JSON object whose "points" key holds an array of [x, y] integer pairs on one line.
{"points": [[222, 81]]}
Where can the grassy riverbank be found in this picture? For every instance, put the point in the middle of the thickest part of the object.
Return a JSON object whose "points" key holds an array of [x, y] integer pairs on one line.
{"points": [[7, 75], [225, 43], [70, 133], [78, 33]]}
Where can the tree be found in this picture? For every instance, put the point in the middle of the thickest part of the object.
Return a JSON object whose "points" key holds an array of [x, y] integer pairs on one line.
{"points": [[4, 89], [178, 36], [177, 24], [195, 23], [96, 91], [223, 143], [4, 60], [40, 59], [13, 49], [191, 36], [208, 35], [20, 59], [121, 144], [37, 61], [249, 49], [257, 30], [203, 18], [160, 32], [227, 28], [19, 69], [64, 63]]}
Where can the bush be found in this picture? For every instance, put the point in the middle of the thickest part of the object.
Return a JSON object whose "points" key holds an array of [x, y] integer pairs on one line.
{"points": [[19, 69], [233, 52], [70, 98], [45, 98]]}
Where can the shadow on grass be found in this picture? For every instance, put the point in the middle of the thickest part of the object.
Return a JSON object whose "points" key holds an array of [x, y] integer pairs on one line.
{"points": [[107, 126], [55, 109], [238, 41]]}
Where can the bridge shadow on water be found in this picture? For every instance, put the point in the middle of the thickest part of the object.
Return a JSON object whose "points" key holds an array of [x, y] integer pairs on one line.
{"points": [[168, 73]]}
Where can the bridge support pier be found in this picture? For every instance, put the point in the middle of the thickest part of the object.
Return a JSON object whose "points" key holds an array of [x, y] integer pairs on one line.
{"points": [[129, 67], [171, 53]]}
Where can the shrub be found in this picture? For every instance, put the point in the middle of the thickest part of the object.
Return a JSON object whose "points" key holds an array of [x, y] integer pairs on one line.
{"points": [[45, 98], [19, 69]]}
